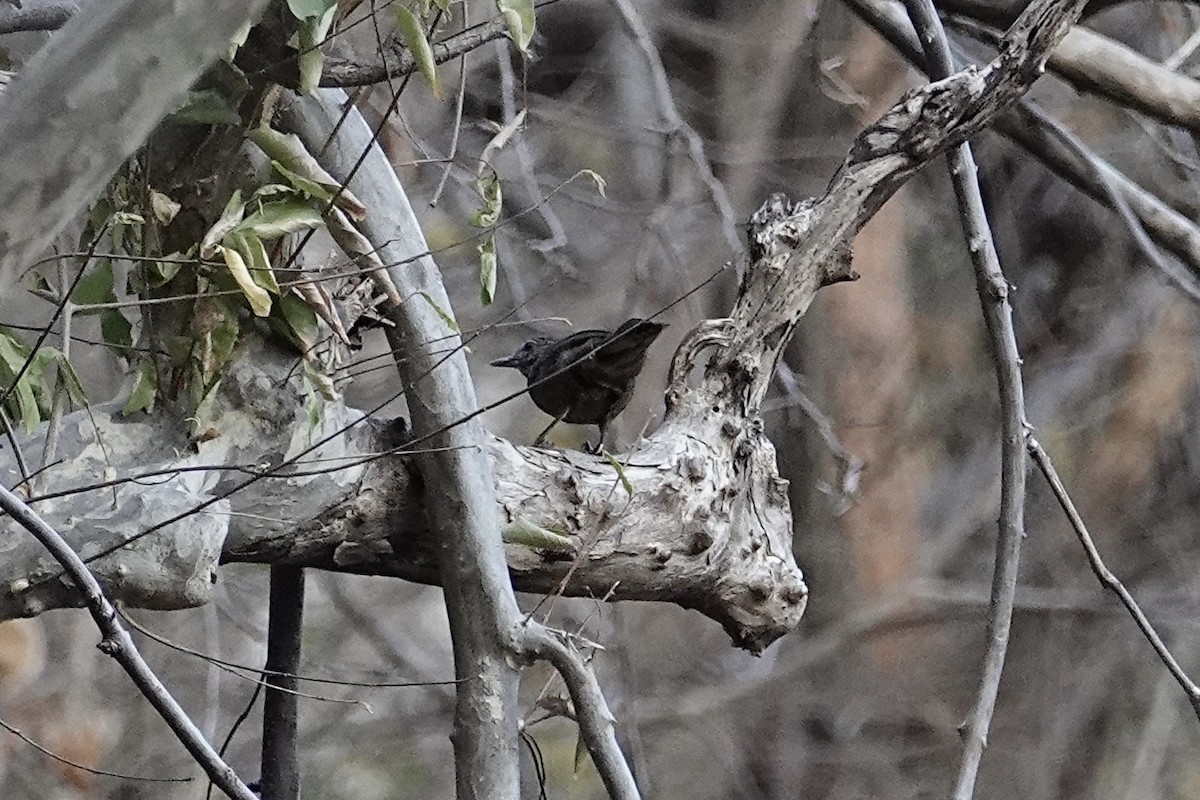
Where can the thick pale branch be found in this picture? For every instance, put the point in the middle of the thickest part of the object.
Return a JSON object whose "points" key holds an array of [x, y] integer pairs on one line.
{"points": [[798, 248]]}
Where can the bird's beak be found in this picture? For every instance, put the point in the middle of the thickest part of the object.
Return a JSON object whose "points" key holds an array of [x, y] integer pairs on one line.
{"points": [[511, 361]]}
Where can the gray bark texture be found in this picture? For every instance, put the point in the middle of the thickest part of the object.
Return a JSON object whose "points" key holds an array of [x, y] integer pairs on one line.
{"points": [[463, 520], [707, 525]]}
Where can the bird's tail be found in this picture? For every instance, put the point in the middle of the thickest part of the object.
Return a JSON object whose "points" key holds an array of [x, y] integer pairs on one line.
{"points": [[624, 353]]}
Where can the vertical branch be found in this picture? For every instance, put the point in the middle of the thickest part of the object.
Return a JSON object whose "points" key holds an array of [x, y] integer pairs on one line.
{"points": [[992, 288], [280, 764], [480, 603]]}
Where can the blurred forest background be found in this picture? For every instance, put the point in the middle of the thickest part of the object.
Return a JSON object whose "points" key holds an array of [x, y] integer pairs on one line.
{"points": [[892, 371]]}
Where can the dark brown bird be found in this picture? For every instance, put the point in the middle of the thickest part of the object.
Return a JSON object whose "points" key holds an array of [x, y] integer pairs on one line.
{"points": [[586, 378]]}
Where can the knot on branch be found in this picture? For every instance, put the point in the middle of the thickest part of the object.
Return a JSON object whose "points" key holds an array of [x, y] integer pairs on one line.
{"points": [[772, 225], [926, 121]]}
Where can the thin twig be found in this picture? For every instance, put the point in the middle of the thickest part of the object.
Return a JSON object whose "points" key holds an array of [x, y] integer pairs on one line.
{"points": [[15, 731], [233, 667], [15, 444], [61, 396], [63, 299], [1106, 577], [992, 288], [117, 643], [458, 116]]}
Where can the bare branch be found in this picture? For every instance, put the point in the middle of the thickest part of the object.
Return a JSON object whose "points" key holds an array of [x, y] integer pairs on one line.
{"points": [[35, 15], [46, 751], [992, 288], [479, 596], [1106, 577], [1063, 153], [677, 125], [280, 777], [118, 644], [341, 72], [1094, 63], [597, 726]]}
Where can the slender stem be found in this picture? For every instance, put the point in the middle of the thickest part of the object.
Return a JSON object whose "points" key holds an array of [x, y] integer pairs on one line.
{"points": [[992, 288], [1106, 577], [597, 727], [119, 644]]}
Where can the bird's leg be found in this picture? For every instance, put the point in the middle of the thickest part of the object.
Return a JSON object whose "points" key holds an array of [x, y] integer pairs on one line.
{"points": [[541, 439], [587, 448]]}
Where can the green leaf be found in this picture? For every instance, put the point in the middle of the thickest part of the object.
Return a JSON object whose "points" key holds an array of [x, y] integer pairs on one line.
{"points": [[179, 349], [441, 312], [315, 18], [123, 218], [620, 472], [207, 107], [156, 273], [272, 191], [522, 531], [324, 385], [163, 207], [22, 401], [254, 253], [312, 60], [36, 283], [223, 338], [580, 751], [289, 151], [597, 178], [204, 419], [238, 40], [280, 218], [488, 187], [312, 404], [309, 187], [260, 301], [301, 321], [144, 391], [413, 32], [30, 400], [235, 209], [96, 286], [70, 379], [41, 383], [487, 270], [302, 9], [116, 331], [519, 19]]}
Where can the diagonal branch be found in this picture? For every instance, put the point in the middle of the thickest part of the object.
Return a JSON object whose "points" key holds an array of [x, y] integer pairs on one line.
{"points": [[1059, 150], [479, 596], [1107, 579], [597, 726], [119, 644]]}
